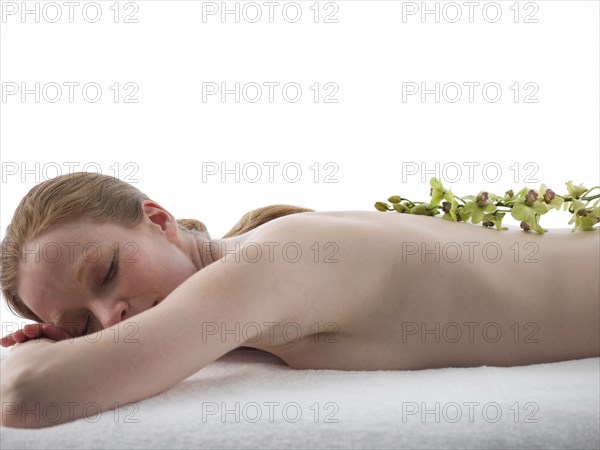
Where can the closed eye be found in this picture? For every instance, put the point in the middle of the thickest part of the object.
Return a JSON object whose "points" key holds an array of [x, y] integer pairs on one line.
{"points": [[111, 270], [87, 326]]}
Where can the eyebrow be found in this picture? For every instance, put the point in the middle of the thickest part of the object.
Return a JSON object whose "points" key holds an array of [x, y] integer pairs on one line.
{"points": [[83, 263]]}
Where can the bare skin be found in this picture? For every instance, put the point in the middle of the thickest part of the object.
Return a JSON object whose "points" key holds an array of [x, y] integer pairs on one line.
{"points": [[362, 295], [510, 298]]}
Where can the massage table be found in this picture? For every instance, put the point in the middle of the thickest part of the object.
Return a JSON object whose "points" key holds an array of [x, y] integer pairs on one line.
{"points": [[252, 399]]}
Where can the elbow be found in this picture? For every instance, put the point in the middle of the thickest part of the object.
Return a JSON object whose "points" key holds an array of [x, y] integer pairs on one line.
{"points": [[12, 408], [19, 408]]}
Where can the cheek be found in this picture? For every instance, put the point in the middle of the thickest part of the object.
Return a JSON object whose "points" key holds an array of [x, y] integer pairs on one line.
{"points": [[162, 276]]}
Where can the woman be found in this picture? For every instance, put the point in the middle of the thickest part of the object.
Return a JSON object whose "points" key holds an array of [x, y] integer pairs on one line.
{"points": [[144, 301]]}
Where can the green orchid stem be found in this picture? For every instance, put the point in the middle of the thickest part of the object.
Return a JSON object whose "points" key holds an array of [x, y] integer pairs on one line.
{"points": [[570, 199], [590, 190]]}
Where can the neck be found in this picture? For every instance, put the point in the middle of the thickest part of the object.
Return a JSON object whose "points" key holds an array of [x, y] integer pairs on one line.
{"points": [[205, 251]]}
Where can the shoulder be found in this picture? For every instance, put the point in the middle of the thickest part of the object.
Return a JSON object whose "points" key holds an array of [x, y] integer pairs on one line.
{"points": [[316, 219]]}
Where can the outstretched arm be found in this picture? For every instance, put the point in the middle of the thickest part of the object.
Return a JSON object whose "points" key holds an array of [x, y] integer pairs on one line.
{"points": [[139, 357]]}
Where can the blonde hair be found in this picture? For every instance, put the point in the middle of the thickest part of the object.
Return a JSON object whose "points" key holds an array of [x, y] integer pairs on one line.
{"points": [[102, 198]]}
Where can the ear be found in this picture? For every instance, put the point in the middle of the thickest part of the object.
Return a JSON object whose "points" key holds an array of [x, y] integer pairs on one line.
{"points": [[156, 214]]}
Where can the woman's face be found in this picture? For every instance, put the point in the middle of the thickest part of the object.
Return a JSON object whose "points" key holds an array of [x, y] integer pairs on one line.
{"points": [[103, 272]]}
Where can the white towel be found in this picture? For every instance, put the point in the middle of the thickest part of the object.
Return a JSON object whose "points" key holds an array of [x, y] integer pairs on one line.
{"points": [[270, 405]]}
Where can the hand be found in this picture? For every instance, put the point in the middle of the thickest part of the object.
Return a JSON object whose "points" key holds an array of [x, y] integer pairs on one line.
{"points": [[34, 331]]}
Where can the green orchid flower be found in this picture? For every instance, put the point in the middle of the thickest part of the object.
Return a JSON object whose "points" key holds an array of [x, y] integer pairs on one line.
{"points": [[549, 197], [528, 207], [438, 193], [534, 226], [451, 210], [586, 221], [494, 219], [574, 207], [585, 218], [477, 207], [575, 191]]}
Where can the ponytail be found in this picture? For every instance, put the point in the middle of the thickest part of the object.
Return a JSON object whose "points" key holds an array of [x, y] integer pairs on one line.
{"points": [[249, 221]]}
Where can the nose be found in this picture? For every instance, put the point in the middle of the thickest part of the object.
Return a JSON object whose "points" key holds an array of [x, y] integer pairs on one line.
{"points": [[111, 314]]}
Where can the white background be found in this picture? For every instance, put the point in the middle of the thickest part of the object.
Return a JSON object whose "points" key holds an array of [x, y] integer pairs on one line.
{"points": [[366, 136]]}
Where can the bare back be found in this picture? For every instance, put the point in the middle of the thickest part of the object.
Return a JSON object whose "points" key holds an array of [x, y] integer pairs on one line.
{"points": [[370, 290]]}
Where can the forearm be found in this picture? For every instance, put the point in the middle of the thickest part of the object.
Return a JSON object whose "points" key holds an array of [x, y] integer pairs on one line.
{"points": [[137, 358], [84, 376], [76, 378]]}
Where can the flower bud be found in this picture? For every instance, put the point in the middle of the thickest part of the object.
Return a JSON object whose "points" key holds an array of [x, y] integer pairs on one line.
{"points": [[400, 207], [419, 209], [381, 206], [394, 199], [532, 195], [482, 198], [549, 195]]}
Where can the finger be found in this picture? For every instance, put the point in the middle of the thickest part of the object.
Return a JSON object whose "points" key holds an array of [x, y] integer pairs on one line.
{"points": [[56, 333], [19, 337], [32, 330], [7, 341]]}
